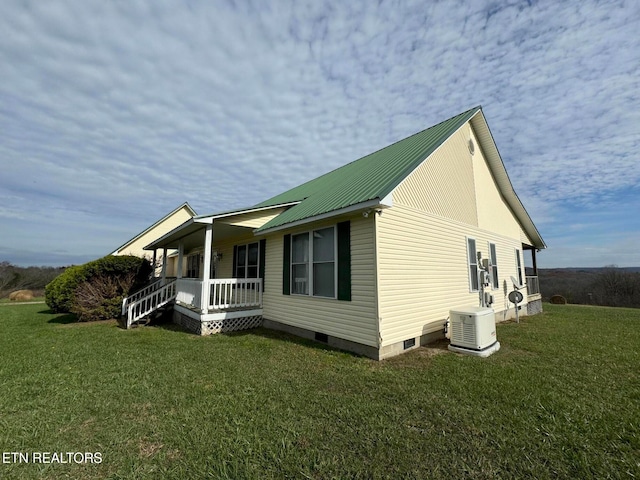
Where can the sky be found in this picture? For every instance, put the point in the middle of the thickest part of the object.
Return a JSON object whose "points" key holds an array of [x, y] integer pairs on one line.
{"points": [[113, 113]]}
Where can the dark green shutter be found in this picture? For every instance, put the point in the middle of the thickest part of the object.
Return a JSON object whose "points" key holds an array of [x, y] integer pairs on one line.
{"points": [[344, 261], [262, 256], [235, 261], [286, 266]]}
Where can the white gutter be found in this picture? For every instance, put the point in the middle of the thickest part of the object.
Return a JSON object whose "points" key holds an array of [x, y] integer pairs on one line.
{"points": [[376, 202]]}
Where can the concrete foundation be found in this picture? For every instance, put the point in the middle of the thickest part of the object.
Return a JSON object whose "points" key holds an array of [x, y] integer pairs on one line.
{"points": [[354, 347], [207, 326]]}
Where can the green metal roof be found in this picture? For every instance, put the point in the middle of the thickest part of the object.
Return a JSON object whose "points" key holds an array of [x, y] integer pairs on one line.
{"points": [[371, 177]]}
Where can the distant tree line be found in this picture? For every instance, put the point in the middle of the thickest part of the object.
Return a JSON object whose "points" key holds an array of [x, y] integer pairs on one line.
{"points": [[14, 278], [608, 286]]}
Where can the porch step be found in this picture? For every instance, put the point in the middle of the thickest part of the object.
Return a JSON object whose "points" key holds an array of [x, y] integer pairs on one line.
{"points": [[159, 316], [143, 310]]}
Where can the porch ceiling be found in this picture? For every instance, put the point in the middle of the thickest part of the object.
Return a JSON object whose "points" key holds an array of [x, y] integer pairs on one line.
{"points": [[192, 235]]}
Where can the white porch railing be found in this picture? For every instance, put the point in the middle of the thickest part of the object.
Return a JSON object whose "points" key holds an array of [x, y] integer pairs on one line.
{"points": [[533, 285], [189, 291], [223, 294], [144, 306], [152, 287], [227, 293]]}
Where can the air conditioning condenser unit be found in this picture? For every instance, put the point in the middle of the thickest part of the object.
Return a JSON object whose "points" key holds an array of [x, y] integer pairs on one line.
{"points": [[473, 331]]}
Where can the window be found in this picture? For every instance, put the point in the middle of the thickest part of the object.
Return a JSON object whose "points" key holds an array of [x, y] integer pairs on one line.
{"points": [[318, 262], [313, 263], [519, 266], [324, 278], [495, 282], [247, 260], [472, 255], [300, 264], [193, 265]]}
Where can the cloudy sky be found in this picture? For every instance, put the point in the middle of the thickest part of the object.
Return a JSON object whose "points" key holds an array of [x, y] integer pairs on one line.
{"points": [[113, 113]]}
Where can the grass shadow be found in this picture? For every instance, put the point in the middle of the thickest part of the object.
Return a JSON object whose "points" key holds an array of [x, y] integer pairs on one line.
{"points": [[170, 326], [166, 323], [62, 319], [273, 334]]}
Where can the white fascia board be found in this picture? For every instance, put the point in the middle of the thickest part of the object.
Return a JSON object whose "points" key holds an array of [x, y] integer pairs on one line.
{"points": [[184, 225], [210, 218], [498, 170], [376, 202], [387, 201], [186, 205]]}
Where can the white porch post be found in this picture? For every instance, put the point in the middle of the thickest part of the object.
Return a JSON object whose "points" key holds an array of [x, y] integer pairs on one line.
{"points": [[164, 265], [208, 243], [180, 257], [155, 255]]}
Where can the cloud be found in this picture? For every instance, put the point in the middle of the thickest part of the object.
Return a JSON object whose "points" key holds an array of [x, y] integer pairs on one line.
{"points": [[118, 112]]}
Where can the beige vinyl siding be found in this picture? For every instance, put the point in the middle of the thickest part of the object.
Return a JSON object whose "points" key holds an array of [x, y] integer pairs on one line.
{"points": [[252, 219], [225, 266], [136, 246], [424, 272], [353, 320], [172, 266], [423, 269], [493, 212], [524, 238], [444, 183], [225, 247]]}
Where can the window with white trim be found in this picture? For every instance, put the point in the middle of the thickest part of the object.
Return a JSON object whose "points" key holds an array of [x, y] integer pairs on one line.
{"points": [[247, 260], [300, 264], [472, 258], [313, 263], [519, 266], [495, 282], [193, 265]]}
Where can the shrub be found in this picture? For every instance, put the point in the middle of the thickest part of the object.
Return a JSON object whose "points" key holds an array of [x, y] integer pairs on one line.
{"points": [[59, 292], [107, 280], [100, 297]]}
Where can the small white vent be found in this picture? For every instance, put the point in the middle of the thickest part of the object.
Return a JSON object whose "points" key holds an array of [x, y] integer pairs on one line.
{"points": [[472, 147]]}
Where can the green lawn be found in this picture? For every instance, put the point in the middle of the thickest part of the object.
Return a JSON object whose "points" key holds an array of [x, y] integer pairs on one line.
{"points": [[561, 399], [6, 300]]}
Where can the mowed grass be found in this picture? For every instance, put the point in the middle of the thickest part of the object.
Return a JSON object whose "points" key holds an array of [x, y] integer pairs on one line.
{"points": [[11, 302], [561, 399]]}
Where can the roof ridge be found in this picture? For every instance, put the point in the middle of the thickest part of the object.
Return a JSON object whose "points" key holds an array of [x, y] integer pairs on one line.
{"points": [[406, 138], [373, 176], [346, 165]]}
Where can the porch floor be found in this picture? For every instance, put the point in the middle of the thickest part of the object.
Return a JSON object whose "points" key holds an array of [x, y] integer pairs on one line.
{"points": [[211, 311]]}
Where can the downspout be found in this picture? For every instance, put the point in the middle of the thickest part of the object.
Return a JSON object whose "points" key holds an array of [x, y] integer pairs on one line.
{"points": [[376, 266]]}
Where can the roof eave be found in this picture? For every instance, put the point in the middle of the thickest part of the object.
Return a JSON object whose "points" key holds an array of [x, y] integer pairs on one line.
{"points": [[499, 172], [206, 220], [186, 205], [369, 204], [215, 216], [160, 242]]}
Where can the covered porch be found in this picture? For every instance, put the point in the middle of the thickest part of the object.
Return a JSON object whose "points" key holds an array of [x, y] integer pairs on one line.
{"points": [[534, 297], [219, 271]]}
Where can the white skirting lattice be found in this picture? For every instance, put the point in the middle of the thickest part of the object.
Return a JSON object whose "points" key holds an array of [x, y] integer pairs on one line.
{"points": [[230, 324], [209, 327]]}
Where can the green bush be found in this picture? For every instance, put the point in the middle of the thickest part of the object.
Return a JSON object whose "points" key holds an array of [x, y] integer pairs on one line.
{"points": [[95, 290], [59, 292]]}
